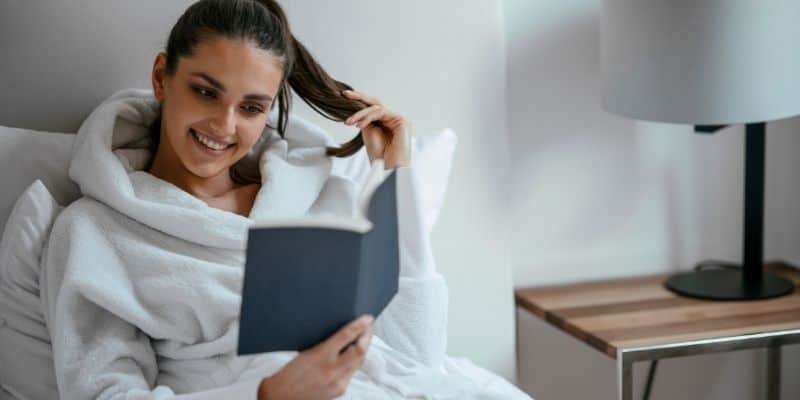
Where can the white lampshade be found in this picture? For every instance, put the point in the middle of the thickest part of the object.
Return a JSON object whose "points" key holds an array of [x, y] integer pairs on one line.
{"points": [[701, 62]]}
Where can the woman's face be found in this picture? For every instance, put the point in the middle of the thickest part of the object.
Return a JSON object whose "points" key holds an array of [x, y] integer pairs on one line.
{"points": [[215, 105]]}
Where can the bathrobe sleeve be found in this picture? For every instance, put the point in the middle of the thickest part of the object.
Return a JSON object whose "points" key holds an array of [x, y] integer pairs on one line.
{"points": [[415, 321], [97, 354]]}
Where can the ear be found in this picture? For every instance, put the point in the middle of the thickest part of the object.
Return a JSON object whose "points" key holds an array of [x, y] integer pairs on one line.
{"points": [[158, 76]]}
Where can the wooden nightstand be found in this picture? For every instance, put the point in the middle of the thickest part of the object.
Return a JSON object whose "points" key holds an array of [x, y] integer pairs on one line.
{"points": [[637, 319]]}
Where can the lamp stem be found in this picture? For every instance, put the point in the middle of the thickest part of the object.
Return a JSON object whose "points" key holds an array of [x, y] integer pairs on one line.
{"points": [[753, 239], [750, 282]]}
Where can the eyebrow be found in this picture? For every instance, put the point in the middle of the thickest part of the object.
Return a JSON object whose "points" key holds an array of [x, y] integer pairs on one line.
{"points": [[219, 86]]}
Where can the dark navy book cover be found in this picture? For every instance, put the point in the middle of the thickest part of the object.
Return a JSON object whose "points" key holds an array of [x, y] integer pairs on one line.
{"points": [[302, 283]]}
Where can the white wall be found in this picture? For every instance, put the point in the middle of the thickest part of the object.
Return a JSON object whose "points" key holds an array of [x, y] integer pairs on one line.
{"points": [[598, 196], [442, 64]]}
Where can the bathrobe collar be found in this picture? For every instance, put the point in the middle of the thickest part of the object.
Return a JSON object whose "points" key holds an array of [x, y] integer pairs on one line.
{"points": [[111, 151]]}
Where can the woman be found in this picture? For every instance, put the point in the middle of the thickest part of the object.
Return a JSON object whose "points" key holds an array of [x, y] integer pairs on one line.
{"points": [[215, 97], [141, 277]]}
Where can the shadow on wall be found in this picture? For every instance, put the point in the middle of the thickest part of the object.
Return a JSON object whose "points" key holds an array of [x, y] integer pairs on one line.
{"points": [[598, 195]]}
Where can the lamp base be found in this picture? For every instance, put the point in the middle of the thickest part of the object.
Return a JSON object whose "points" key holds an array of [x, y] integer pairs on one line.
{"points": [[728, 284]]}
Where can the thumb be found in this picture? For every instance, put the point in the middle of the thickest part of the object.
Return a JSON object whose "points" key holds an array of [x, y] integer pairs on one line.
{"points": [[347, 334], [374, 142]]}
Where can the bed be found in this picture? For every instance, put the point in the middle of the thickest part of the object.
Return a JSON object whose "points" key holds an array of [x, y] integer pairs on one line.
{"points": [[61, 64]]}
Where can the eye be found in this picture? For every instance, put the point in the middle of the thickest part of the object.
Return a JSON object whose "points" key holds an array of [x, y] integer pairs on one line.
{"points": [[253, 109], [204, 92]]}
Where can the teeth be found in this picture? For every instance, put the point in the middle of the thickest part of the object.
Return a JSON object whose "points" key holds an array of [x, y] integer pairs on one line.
{"points": [[208, 142]]}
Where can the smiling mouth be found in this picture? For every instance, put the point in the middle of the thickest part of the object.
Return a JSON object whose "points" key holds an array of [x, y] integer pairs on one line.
{"points": [[208, 143]]}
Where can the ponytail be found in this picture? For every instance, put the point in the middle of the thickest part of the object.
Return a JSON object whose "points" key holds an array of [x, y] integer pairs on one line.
{"points": [[324, 95], [313, 85]]}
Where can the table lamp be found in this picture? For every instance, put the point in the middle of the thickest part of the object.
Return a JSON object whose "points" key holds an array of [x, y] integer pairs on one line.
{"points": [[709, 63]]}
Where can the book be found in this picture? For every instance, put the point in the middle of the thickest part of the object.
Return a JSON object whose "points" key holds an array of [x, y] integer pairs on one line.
{"points": [[307, 277]]}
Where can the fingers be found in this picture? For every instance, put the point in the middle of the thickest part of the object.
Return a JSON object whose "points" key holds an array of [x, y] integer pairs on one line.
{"points": [[353, 357], [375, 111], [363, 117], [389, 138], [347, 334]]}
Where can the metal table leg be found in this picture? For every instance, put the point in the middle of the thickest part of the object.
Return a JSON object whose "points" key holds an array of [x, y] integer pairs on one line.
{"points": [[772, 340], [651, 375], [774, 373], [624, 377]]}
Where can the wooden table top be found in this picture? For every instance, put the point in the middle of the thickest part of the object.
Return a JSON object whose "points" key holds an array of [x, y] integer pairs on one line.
{"points": [[634, 312]]}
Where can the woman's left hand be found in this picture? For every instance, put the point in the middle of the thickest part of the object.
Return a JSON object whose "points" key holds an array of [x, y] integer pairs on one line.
{"points": [[388, 139]]}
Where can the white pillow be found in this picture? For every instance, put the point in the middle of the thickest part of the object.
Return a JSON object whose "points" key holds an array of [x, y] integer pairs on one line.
{"points": [[431, 161], [26, 361], [27, 155]]}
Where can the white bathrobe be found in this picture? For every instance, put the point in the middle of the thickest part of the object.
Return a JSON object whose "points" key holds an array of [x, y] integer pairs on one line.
{"points": [[141, 280]]}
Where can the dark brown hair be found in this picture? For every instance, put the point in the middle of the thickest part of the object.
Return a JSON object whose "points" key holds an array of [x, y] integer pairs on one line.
{"points": [[263, 23]]}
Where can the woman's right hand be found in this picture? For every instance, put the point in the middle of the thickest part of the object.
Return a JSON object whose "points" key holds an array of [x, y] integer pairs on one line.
{"points": [[323, 371]]}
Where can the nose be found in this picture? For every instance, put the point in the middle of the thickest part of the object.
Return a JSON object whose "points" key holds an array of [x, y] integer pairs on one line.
{"points": [[225, 123]]}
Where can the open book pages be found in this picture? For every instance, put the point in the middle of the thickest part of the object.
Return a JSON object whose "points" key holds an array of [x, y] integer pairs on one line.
{"points": [[359, 223]]}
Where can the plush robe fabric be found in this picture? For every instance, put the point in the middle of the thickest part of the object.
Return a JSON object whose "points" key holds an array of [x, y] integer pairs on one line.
{"points": [[141, 280]]}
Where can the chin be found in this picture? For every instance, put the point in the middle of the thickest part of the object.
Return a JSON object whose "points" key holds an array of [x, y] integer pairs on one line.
{"points": [[206, 171]]}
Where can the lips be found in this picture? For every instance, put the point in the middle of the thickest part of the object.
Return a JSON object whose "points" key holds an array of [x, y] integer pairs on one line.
{"points": [[209, 143]]}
